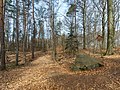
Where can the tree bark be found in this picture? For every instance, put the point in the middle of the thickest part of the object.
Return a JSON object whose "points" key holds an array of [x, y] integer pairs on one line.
{"points": [[17, 32], [110, 36], [3, 65], [52, 30], [25, 31], [33, 38], [84, 24], [103, 23]]}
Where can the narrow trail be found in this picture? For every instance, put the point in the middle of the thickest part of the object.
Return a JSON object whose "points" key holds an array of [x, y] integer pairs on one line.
{"points": [[35, 73]]}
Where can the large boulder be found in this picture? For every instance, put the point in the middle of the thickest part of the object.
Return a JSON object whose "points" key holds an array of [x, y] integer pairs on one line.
{"points": [[85, 62]]}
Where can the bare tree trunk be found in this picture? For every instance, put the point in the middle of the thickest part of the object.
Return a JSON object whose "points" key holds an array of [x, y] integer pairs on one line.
{"points": [[28, 41], [53, 37], [39, 38], [110, 36], [53, 32], [84, 25], [33, 38], [95, 33], [43, 41], [103, 23], [17, 33], [25, 31], [3, 65], [75, 18], [13, 36]]}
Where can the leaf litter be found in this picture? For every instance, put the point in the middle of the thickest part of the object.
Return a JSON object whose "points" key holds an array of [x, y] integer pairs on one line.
{"points": [[46, 74]]}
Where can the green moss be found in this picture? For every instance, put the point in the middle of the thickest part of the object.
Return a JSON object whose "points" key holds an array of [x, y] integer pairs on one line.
{"points": [[84, 62]]}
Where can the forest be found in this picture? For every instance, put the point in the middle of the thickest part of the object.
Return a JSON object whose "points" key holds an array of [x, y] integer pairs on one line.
{"points": [[59, 44]]}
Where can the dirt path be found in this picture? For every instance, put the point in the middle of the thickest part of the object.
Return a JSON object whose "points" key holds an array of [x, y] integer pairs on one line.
{"points": [[35, 73], [45, 74]]}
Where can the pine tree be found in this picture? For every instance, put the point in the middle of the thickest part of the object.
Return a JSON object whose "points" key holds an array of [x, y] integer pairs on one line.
{"points": [[71, 44]]}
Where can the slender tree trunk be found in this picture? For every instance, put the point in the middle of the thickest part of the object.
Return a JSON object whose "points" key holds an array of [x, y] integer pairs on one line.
{"points": [[75, 18], [3, 65], [17, 33], [110, 36], [8, 35], [43, 41], [33, 38], [53, 32], [103, 31], [53, 37], [41, 33], [28, 7], [84, 25], [25, 31], [103, 23], [95, 33], [39, 38], [13, 33]]}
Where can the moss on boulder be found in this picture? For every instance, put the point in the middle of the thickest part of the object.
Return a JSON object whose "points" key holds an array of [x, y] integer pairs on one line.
{"points": [[85, 62]]}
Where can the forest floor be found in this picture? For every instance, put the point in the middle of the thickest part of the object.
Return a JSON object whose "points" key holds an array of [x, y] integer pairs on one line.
{"points": [[46, 74]]}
